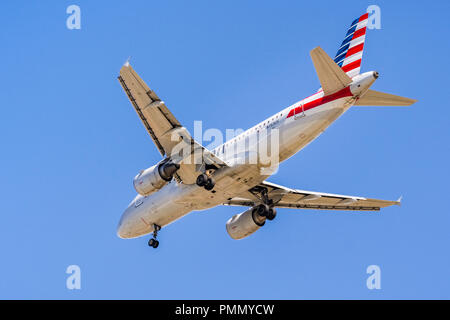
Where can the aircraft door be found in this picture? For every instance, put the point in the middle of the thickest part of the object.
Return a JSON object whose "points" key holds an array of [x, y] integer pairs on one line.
{"points": [[299, 112]]}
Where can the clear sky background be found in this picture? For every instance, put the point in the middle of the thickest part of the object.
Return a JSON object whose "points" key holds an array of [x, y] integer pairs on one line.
{"points": [[71, 144]]}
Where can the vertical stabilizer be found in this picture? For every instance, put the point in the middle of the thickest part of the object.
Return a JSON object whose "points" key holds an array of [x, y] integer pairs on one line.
{"points": [[349, 55]]}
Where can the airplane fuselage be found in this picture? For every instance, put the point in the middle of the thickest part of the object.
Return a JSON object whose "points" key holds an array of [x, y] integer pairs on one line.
{"points": [[297, 125]]}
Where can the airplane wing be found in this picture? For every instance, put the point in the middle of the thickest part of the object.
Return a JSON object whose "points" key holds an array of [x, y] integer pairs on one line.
{"points": [[170, 137], [283, 197]]}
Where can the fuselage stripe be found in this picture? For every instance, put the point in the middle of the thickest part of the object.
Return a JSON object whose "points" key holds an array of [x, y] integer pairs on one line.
{"points": [[346, 92]]}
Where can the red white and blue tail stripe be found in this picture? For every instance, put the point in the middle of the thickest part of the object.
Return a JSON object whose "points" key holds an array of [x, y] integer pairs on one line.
{"points": [[350, 53]]}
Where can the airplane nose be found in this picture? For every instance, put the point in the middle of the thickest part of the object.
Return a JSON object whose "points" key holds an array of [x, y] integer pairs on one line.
{"points": [[376, 74], [121, 227], [121, 231]]}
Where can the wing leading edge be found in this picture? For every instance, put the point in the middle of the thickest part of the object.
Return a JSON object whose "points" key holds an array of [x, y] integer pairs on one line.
{"points": [[284, 197]]}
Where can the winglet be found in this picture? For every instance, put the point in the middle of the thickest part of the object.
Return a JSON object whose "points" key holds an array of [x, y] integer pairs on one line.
{"points": [[399, 201]]}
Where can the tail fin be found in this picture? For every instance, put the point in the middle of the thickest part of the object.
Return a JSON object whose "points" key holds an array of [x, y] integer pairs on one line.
{"points": [[376, 98], [349, 55]]}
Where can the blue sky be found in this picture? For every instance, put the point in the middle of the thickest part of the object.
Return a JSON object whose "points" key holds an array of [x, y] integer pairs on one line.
{"points": [[71, 144]]}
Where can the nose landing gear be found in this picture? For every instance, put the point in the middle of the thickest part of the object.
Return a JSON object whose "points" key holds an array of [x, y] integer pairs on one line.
{"points": [[153, 242]]}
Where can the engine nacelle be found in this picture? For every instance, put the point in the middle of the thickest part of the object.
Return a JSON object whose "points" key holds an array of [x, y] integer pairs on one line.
{"points": [[244, 224], [154, 178]]}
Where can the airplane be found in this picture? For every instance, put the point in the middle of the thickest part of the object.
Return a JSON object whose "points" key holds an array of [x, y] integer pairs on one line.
{"points": [[192, 178]]}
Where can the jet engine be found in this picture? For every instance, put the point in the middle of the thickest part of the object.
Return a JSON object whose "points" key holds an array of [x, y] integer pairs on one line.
{"points": [[154, 178], [244, 224]]}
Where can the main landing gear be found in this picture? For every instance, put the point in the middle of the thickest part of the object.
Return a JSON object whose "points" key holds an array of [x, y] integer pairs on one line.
{"points": [[265, 209], [153, 242], [206, 182]]}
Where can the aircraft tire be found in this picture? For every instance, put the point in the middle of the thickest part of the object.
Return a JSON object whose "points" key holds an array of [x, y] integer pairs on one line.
{"points": [[209, 185], [272, 214], [202, 180], [263, 210]]}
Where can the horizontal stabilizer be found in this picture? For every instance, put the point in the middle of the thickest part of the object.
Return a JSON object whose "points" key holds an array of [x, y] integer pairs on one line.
{"points": [[332, 78], [376, 98]]}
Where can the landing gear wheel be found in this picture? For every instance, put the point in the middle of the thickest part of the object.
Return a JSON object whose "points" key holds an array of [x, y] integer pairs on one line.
{"points": [[153, 242], [209, 184], [272, 214], [262, 210], [202, 180]]}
